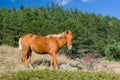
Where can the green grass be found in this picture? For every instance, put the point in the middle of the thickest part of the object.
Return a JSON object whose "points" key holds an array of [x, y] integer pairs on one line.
{"points": [[59, 75]]}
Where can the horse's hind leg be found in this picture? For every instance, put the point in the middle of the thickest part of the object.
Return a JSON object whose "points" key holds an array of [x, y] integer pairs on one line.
{"points": [[23, 57], [29, 59]]}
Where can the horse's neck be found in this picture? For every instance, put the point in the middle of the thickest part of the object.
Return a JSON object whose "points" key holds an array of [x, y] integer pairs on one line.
{"points": [[61, 41]]}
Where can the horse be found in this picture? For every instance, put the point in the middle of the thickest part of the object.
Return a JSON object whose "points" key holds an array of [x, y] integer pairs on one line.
{"points": [[49, 44]]}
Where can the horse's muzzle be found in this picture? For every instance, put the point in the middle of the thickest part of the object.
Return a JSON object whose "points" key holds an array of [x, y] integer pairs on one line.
{"points": [[69, 47]]}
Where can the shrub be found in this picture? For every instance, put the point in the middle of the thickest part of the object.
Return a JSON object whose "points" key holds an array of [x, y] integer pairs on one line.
{"points": [[59, 75], [112, 52]]}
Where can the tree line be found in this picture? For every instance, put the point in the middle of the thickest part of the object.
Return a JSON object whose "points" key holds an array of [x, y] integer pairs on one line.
{"points": [[92, 32]]}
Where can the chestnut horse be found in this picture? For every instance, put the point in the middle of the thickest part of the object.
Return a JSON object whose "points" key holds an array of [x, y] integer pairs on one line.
{"points": [[44, 45]]}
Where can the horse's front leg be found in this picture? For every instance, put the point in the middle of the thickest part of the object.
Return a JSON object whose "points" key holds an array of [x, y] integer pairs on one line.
{"points": [[54, 63], [51, 62]]}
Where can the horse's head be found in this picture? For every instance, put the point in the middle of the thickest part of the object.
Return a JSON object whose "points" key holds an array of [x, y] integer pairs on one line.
{"points": [[69, 37]]}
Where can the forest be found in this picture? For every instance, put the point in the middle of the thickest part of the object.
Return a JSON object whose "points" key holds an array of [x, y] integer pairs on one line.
{"points": [[93, 33]]}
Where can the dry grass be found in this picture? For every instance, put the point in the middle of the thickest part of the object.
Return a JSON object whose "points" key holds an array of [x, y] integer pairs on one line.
{"points": [[10, 61]]}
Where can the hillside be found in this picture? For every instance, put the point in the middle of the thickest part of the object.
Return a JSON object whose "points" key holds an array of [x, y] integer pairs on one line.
{"points": [[96, 38]]}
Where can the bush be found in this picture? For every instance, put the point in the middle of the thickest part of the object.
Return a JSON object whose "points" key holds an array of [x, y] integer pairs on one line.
{"points": [[59, 75], [112, 52]]}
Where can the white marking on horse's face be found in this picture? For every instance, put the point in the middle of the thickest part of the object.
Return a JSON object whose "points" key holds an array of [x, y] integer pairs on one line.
{"points": [[69, 47]]}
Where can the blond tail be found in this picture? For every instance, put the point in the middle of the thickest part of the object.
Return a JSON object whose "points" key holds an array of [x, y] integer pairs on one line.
{"points": [[20, 47]]}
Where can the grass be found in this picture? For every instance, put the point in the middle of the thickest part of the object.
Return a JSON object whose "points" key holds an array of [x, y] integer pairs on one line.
{"points": [[59, 75]]}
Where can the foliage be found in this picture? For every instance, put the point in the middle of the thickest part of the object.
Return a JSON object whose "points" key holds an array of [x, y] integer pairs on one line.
{"points": [[59, 75], [112, 52], [91, 31]]}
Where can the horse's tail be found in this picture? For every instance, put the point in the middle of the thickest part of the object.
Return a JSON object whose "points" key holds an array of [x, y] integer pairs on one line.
{"points": [[20, 47]]}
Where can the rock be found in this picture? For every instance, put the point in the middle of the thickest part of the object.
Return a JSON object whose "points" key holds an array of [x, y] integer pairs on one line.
{"points": [[68, 67]]}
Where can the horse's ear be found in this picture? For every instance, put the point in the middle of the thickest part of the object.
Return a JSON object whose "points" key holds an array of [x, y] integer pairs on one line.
{"points": [[66, 32], [72, 32]]}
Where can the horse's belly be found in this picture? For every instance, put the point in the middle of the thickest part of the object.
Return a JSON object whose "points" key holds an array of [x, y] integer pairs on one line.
{"points": [[40, 50]]}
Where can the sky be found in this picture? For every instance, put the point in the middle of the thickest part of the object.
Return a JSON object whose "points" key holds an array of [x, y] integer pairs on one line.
{"points": [[103, 7]]}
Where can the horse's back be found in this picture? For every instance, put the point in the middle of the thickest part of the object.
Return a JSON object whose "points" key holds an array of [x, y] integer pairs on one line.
{"points": [[43, 44]]}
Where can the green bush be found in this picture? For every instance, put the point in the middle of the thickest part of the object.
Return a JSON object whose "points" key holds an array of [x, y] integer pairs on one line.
{"points": [[59, 75], [112, 52]]}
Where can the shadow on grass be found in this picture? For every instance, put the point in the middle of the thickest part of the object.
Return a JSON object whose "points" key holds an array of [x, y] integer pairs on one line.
{"points": [[41, 63]]}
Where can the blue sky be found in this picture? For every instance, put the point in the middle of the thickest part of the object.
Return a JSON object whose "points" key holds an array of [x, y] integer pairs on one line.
{"points": [[103, 7]]}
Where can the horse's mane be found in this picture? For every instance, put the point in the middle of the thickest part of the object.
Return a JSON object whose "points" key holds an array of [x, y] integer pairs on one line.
{"points": [[60, 35]]}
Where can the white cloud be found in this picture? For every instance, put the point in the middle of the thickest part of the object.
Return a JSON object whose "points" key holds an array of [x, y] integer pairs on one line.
{"points": [[62, 2], [84, 0]]}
